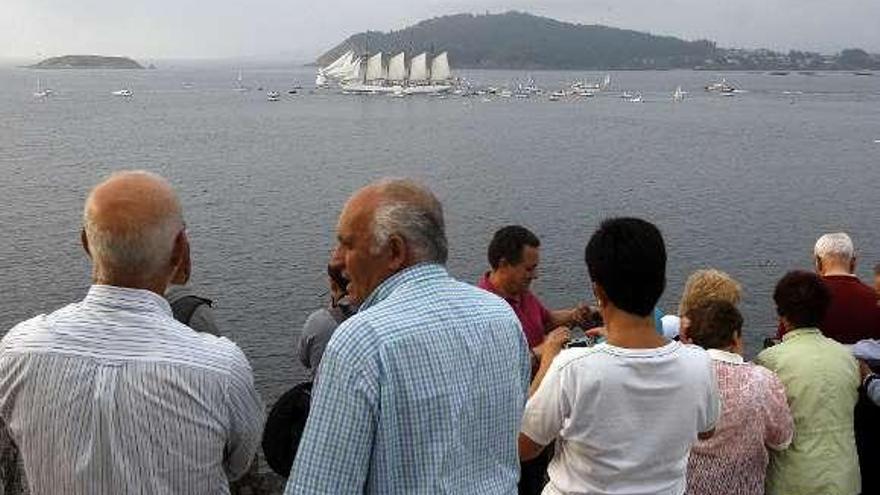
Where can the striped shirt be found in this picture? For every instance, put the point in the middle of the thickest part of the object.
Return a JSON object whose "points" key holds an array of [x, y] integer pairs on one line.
{"points": [[421, 391], [112, 395]]}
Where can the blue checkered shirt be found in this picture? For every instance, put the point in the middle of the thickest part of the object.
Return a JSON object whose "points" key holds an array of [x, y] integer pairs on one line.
{"points": [[420, 392]]}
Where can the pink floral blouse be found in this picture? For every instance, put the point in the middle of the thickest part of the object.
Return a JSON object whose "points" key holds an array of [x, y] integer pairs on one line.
{"points": [[754, 417]]}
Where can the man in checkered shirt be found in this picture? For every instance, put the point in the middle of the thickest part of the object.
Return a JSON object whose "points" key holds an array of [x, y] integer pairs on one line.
{"points": [[422, 391]]}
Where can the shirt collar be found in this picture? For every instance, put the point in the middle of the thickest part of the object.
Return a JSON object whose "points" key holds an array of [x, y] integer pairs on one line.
{"points": [[724, 356], [127, 298], [486, 284], [420, 271], [800, 331]]}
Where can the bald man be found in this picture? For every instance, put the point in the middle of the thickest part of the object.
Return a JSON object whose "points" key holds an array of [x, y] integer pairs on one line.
{"points": [[112, 394]]}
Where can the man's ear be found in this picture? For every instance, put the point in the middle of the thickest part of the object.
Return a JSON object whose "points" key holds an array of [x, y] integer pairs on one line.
{"points": [[398, 252], [85, 242], [180, 258]]}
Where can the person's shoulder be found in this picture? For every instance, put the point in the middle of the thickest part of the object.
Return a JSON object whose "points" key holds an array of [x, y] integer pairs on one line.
{"points": [[34, 329], [318, 321], [575, 358]]}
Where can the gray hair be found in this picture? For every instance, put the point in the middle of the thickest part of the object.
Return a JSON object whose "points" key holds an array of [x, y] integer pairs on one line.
{"points": [[410, 210], [132, 245], [837, 246]]}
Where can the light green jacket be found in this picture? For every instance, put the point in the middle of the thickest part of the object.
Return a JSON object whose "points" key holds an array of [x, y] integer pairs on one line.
{"points": [[821, 381]]}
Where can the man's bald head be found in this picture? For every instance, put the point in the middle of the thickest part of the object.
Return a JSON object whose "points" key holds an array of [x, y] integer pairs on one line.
{"points": [[131, 226], [409, 209]]}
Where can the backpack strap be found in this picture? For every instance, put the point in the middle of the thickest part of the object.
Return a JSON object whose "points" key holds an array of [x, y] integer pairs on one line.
{"points": [[184, 307]]}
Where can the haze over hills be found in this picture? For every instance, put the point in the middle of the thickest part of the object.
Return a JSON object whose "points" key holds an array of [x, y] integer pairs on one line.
{"points": [[517, 40], [87, 62]]}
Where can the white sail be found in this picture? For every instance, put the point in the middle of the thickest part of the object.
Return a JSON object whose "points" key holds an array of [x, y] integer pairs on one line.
{"points": [[440, 68], [338, 64], [605, 82], [353, 70], [418, 68], [375, 69], [397, 67]]}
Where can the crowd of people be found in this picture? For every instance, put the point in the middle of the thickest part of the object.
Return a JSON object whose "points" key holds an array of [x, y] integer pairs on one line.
{"points": [[421, 383]]}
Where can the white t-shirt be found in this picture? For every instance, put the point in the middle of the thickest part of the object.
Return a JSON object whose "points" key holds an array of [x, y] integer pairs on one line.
{"points": [[624, 419]]}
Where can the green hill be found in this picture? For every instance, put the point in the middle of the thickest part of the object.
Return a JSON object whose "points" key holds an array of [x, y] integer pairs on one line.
{"points": [[87, 62], [516, 40]]}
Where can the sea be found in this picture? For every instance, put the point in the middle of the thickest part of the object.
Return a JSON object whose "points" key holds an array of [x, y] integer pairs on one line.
{"points": [[744, 184]]}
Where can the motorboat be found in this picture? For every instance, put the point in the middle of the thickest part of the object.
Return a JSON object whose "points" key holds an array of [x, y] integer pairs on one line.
{"points": [[124, 93], [637, 98], [273, 96], [722, 87]]}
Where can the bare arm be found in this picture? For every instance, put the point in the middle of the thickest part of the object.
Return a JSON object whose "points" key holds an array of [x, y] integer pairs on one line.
{"points": [[528, 449], [551, 347]]}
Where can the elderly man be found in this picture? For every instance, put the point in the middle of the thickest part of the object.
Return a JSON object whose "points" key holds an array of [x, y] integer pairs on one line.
{"points": [[853, 314], [112, 394], [422, 390]]}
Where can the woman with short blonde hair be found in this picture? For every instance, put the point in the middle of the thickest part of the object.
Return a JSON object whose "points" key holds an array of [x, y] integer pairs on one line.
{"points": [[709, 285]]}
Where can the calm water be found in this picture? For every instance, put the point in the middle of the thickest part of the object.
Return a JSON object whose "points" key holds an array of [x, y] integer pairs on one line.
{"points": [[744, 184]]}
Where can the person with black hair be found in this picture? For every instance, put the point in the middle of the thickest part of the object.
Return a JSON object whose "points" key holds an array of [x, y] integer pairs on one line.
{"points": [[514, 254], [321, 324], [623, 413], [754, 416], [821, 381]]}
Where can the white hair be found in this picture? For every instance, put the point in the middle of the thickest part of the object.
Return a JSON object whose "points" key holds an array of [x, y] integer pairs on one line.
{"points": [[133, 247], [411, 211], [837, 246]]}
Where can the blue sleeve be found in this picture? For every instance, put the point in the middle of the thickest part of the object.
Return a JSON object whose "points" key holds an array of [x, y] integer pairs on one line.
{"points": [[335, 453], [873, 391], [867, 350]]}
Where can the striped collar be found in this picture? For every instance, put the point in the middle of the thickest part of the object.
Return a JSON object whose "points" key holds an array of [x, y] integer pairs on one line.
{"points": [[724, 356], [124, 298], [421, 271]]}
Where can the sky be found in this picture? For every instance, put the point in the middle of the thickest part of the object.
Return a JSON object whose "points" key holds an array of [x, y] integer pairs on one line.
{"points": [[303, 29]]}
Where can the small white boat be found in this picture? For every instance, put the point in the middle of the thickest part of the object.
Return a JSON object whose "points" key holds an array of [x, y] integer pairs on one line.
{"points": [[273, 96], [557, 95], [124, 93], [627, 95], [636, 99]]}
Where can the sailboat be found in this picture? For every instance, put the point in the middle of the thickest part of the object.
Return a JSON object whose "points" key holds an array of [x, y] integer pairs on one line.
{"points": [[42, 92], [238, 84], [370, 74], [678, 95]]}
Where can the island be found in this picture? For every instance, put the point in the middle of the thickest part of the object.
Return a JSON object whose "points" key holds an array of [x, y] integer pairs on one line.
{"points": [[521, 41], [87, 62]]}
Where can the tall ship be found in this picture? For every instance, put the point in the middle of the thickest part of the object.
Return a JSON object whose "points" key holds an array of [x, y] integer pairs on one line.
{"points": [[370, 73]]}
